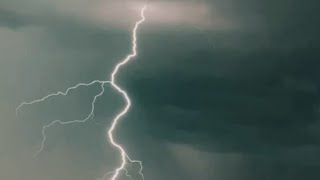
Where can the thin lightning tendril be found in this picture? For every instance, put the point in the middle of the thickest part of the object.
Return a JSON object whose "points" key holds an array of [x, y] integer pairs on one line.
{"points": [[124, 155]]}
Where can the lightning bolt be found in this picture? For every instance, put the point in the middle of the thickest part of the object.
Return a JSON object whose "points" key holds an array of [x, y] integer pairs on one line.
{"points": [[124, 156]]}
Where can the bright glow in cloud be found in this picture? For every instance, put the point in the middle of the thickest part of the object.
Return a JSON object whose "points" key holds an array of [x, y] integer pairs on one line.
{"points": [[121, 14]]}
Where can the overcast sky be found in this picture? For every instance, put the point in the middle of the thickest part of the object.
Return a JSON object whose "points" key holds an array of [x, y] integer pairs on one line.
{"points": [[221, 89]]}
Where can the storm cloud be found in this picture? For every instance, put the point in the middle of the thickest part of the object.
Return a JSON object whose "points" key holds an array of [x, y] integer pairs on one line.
{"points": [[222, 89]]}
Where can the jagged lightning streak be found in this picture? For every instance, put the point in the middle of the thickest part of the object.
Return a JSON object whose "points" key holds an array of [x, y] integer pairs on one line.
{"points": [[91, 114], [124, 155]]}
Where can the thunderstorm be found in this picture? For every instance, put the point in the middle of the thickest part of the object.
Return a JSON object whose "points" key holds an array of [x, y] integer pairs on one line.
{"points": [[125, 158]]}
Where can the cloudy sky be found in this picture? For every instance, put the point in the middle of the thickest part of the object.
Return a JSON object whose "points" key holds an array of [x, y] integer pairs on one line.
{"points": [[221, 89]]}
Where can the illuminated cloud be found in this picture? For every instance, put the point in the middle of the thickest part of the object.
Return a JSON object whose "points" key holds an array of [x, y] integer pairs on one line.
{"points": [[118, 14]]}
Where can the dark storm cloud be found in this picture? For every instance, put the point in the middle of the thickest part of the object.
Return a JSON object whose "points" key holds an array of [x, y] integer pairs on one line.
{"points": [[252, 91], [261, 92], [11, 19], [243, 101], [273, 107]]}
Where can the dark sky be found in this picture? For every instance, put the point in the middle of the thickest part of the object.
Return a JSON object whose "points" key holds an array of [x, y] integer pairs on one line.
{"points": [[221, 89]]}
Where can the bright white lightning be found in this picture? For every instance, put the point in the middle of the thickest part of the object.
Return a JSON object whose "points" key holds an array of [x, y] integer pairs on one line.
{"points": [[124, 155]]}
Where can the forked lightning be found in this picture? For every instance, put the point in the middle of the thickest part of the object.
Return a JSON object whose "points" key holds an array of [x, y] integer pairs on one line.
{"points": [[124, 156]]}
